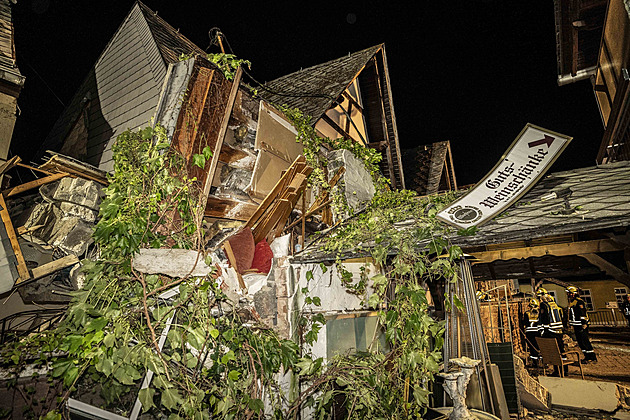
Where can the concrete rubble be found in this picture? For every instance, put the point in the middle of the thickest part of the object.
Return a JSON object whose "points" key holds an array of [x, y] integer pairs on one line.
{"points": [[355, 184], [581, 395], [65, 216]]}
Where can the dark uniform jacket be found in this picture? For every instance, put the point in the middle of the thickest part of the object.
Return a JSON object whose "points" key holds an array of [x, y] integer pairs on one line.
{"points": [[578, 317], [550, 319]]}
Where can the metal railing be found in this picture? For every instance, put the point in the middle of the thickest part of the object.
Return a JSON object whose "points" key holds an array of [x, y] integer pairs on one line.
{"points": [[21, 324], [607, 318]]}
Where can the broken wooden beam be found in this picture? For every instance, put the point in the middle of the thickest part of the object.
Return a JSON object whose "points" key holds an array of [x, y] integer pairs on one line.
{"points": [[275, 192], [222, 130], [559, 250], [56, 265], [9, 164], [15, 244], [232, 259], [225, 208], [33, 184]]}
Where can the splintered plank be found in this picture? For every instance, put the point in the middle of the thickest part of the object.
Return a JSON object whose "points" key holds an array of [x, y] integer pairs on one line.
{"points": [[222, 130], [262, 230], [224, 208], [21, 264], [33, 184], [51, 267], [286, 207], [232, 259], [275, 192], [6, 166]]}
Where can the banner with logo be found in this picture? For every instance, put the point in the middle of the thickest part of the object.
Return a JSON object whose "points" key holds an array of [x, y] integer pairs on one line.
{"points": [[524, 163]]}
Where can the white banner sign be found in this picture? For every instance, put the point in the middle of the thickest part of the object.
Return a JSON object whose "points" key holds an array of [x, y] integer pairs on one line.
{"points": [[524, 163]]}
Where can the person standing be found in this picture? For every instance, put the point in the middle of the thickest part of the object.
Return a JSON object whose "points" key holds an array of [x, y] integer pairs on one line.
{"points": [[625, 308], [532, 330], [550, 318], [578, 319]]}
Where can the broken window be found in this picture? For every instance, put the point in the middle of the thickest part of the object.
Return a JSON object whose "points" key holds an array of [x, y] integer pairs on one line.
{"points": [[353, 332]]}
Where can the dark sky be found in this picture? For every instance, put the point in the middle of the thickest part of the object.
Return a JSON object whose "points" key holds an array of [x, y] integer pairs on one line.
{"points": [[473, 72]]}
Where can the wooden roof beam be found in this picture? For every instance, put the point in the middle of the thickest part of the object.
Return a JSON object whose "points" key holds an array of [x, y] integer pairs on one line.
{"points": [[607, 267], [559, 250]]}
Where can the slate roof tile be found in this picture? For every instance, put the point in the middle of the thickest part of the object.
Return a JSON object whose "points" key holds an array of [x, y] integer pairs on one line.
{"points": [[313, 90]]}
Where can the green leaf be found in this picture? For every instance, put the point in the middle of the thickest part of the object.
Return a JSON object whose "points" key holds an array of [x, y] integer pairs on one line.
{"points": [[171, 398], [109, 340], [96, 324], [145, 396], [469, 231], [309, 275], [374, 300], [458, 303], [214, 333], [207, 152], [234, 375], [323, 267], [255, 405], [199, 160], [227, 357]]}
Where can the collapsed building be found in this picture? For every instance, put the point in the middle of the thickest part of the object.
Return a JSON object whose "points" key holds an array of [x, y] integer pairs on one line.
{"points": [[149, 73]]}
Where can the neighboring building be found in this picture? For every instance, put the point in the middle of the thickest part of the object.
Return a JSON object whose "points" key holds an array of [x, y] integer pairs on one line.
{"points": [[11, 80], [429, 168], [593, 42], [122, 90]]}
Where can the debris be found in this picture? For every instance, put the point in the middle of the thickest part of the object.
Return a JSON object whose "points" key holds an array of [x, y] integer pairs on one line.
{"points": [[171, 262], [356, 183], [580, 394], [262, 257], [269, 219]]}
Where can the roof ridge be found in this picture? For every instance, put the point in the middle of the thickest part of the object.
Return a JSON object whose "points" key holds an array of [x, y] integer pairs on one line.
{"points": [[343, 57], [321, 83], [170, 41]]}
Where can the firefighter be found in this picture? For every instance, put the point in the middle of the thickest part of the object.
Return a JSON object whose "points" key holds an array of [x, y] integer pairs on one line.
{"points": [[578, 319], [482, 296], [550, 317], [532, 330], [625, 308]]}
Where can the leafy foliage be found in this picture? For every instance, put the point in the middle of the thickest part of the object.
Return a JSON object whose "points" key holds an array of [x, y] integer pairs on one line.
{"points": [[211, 364]]}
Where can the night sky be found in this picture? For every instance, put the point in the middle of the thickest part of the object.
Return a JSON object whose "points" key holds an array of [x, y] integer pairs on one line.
{"points": [[473, 72]]}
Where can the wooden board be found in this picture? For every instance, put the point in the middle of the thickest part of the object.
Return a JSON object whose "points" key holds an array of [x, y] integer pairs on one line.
{"points": [[51, 267], [224, 208], [33, 184], [222, 130], [15, 245]]}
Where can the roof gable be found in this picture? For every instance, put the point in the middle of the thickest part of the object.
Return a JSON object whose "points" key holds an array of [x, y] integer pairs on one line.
{"points": [[122, 90], [313, 90]]}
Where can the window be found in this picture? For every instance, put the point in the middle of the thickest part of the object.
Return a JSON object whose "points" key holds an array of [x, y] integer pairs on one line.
{"points": [[620, 292], [352, 332], [585, 294]]}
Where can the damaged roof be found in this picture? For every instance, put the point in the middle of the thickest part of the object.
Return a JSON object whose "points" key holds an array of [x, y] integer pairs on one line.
{"points": [[122, 90], [600, 199], [313, 90]]}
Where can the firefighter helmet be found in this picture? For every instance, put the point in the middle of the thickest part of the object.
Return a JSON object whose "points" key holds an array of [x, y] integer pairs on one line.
{"points": [[541, 291], [572, 289], [481, 295], [534, 303]]}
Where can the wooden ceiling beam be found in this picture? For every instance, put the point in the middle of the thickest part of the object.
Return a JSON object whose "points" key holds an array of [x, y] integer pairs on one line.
{"points": [[558, 250], [607, 267]]}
